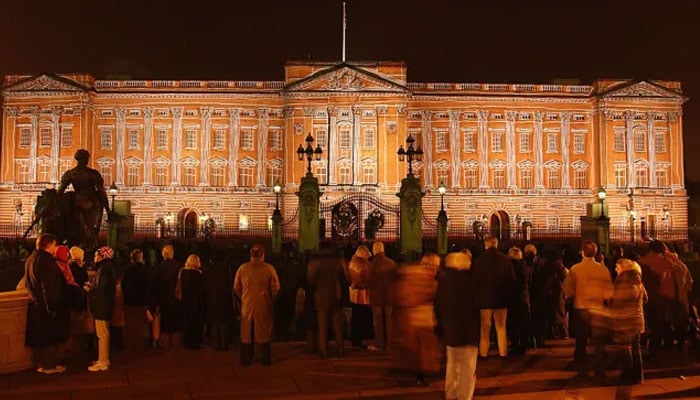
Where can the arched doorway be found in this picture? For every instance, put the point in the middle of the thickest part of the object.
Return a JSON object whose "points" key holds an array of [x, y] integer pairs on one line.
{"points": [[188, 223], [500, 225]]}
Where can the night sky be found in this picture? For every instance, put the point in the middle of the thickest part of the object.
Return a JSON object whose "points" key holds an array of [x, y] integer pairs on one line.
{"points": [[441, 41]]}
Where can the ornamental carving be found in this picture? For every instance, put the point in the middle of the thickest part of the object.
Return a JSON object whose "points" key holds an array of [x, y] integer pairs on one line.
{"points": [[345, 79], [44, 83]]}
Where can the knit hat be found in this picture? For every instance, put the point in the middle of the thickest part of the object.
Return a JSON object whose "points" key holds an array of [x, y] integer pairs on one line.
{"points": [[105, 252]]}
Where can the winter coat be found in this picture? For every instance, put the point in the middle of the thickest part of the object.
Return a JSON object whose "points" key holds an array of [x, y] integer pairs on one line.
{"points": [[218, 284], [163, 295], [135, 284], [519, 308], [48, 311], [382, 276], [658, 276], [79, 273], [358, 275], [256, 284], [414, 295], [193, 296], [628, 306], [684, 284], [493, 276], [456, 308], [589, 284], [322, 276], [102, 293]]}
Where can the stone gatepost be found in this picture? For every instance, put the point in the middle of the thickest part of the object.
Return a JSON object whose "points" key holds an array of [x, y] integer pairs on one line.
{"points": [[411, 210], [309, 194], [595, 226], [277, 231], [442, 233]]}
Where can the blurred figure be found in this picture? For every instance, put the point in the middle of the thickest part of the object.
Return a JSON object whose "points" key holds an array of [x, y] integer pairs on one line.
{"points": [[414, 296], [62, 256], [548, 299], [135, 285], [659, 280], [167, 318], [628, 318], [322, 275], [458, 318], [382, 276], [684, 284], [589, 284], [616, 253], [101, 299], [219, 303], [82, 323], [358, 275], [193, 303], [519, 308], [256, 284], [76, 263], [118, 321], [493, 274]]}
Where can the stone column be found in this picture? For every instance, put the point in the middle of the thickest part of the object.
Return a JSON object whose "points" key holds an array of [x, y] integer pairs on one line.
{"points": [[455, 148], [382, 151], [263, 121], [56, 142], [483, 116], [309, 195], [205, 150], [651, 145], [176, 145], [332, 143], [675, 148], [233, 145], [565, 135], [356, 145], [33, 144], [147, 145], [427, 140], [631, 176], [121, 138], [411, 213], [510, 148], [9, 146], [538, 145]]}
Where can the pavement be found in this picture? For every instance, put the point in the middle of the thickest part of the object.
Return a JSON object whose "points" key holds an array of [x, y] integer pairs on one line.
{"points": [[205, 374]]}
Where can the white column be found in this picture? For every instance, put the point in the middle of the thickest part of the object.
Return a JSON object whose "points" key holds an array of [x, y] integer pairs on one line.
{"points": [[332, 143], [510, 147], [382, 151], [651, 147], [455, 148], [263, 120], [120, 133], [233, 145], [177, 144], [33, 144], [356, 145], [539, 167], [631, 176], [56, 142], [427, 137], [565, 136], [483, 116], [675, 148], [147, 145], [205, 148]]}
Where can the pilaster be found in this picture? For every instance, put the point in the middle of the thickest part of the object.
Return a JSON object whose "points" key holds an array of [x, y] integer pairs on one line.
{"points": [[205, 150], [483, 120], [356, 145], [565, 139], [120, 139], [147, 145], [455, 148], [177, 144], [629, 126], [538, 146], [427, 137], [56, 142], [233, 145], [510, 148], [651, 149], [332, 143], [263, 123]]}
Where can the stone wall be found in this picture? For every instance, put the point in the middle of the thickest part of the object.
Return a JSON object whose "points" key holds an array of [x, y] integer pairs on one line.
{"points": [[13, 318]]}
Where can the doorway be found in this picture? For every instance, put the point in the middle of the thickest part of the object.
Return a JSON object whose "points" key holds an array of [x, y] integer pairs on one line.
{"points": [[188, 223], [500, 225]]}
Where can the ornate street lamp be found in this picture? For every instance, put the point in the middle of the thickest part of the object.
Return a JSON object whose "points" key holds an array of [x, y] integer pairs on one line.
{"points": [[277, 188], [113, 192], [309, 152], [410, 152], [601, 197], [442, 189]]}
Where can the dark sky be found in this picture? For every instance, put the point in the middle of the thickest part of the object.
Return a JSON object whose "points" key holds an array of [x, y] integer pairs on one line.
{"points": [[460, 41]]}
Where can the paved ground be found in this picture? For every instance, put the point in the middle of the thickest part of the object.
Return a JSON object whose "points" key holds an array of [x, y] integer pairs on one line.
{"points": [[187, 375]]}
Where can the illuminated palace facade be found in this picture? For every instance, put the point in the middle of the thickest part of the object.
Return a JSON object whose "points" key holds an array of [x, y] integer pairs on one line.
{"points": [[538, 152]]}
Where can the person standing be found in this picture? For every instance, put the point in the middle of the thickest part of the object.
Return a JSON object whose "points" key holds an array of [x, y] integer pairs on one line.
{"points": [[659, 280], [361, 317], [589, 284], [82, 324], [135, 284], [519, 320], [322, 275], [458, 317], [101, 300], [219, 303], [256, 284], [493, 275], [193, 303], [168, 309], [628, 317], [684, 285], [382, 276], [48, 310]]}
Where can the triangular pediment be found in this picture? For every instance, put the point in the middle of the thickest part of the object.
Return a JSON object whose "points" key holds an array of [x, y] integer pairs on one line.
{"points": [[46, 83], [346, 78], [642, 88]]}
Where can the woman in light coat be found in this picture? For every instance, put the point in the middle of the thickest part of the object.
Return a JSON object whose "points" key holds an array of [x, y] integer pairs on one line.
{"points": [[361, 319], [628, 317]]}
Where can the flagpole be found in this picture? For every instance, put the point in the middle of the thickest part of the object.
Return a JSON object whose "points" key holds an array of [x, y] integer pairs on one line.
{"points": [[344, 28]]}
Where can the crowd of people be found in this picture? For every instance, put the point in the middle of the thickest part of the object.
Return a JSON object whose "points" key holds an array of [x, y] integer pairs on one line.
{"points": [[453, 305]]}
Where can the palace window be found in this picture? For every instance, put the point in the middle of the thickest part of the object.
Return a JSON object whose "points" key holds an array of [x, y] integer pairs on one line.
{"points": [[45, 137], [217, 175], [619, 144], [247, 140], [499, 179], [22, 172], [275, 139], [345, 173], [162, 139], [580, 179], [525, 178], [443, 177], [190, 139], [243, 223], [368, 142], [551, 143], [641, 173], [660, 142], [190, 113], [552, 117], [369, 172], [344, 139], [67, 137], [553, 223], [620, 176], [553, 178], [25, 138], [163, 112], [274, 173], [468, 142], [578, 117], [496, 142], [63, 166], [133, 140], [189, 175], [321, 138], [245, 177], [161, 175], [133, 175], [43, 170], [441, 141], [661, 177], [470, 178], [579, 143], [219, 139], [639, 142], [320, 173], [524, 142]]}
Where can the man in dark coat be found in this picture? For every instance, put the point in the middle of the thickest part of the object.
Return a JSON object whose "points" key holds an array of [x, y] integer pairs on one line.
{"points": [[135, 286], [382, 276], [48, 311], [168, 308], [218, 282], [323, 277], [493, 275]]}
